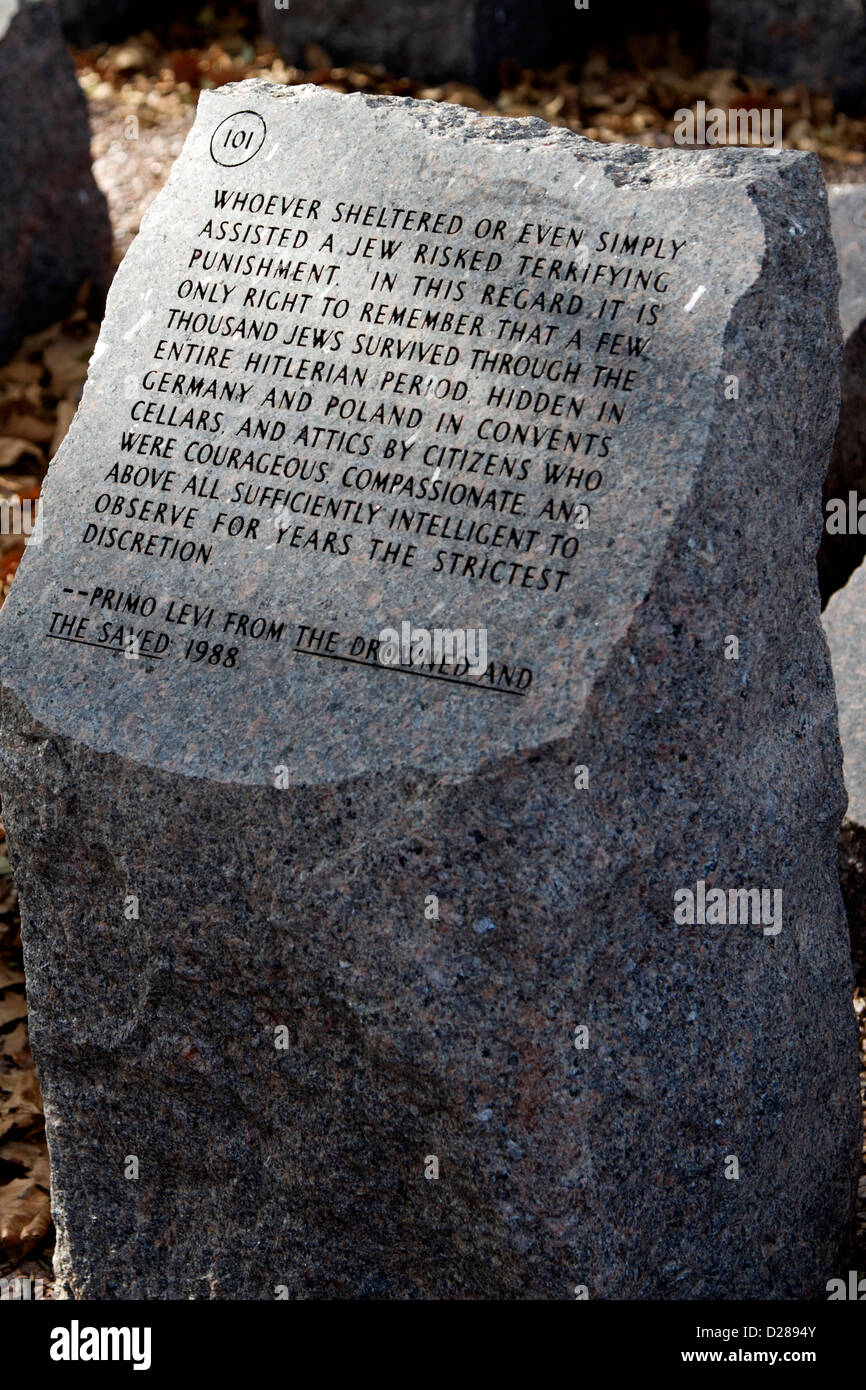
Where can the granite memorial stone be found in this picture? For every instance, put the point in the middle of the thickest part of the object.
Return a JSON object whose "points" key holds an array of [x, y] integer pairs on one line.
{"points": [[54, 228], [419, 753]]}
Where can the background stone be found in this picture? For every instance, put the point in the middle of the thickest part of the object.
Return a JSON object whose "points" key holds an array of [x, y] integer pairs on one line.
{"points": [[788, 41], [54, 230], [839, 555], [87, 22], [845, 625], [456, 40]]}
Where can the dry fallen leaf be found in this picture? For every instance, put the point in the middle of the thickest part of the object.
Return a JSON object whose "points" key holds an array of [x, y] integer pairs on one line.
{"points": [[9, 975], [67, 361], [315, 56], [8, 565], [35, 342], [12, 1007], [12, 450], [20, 1101], [30, 1155], [34, 427], [17, 483], [25, 1203], [20, 372], [14, 1044]]}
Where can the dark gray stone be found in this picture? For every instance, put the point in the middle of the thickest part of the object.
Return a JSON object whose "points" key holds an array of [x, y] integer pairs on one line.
{"points": [[214, 858], [457, 40], [87, 22], [54, 228], [843, 549], [821, 43]]}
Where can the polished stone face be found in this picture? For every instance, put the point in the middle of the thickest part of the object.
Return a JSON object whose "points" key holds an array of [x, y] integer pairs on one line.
{"points": [[448, 372], [304, 914]]}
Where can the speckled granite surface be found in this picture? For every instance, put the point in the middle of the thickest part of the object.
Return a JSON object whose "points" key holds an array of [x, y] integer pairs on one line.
{"points": [[302, 910], [54, 230]]}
